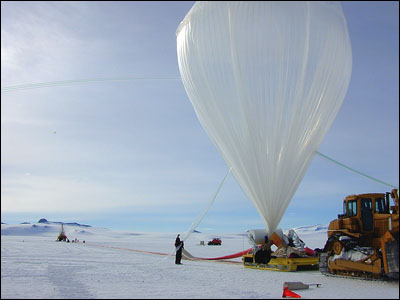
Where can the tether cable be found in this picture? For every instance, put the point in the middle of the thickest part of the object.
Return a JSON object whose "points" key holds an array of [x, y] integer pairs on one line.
{"points": [[14, 88], [355, 171]]}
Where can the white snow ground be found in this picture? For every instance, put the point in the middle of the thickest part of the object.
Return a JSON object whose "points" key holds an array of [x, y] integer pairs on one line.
{"points": [[34, 265]]}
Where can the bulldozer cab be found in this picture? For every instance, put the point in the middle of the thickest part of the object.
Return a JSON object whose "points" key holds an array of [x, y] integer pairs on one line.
{"points": [[362, 212]]}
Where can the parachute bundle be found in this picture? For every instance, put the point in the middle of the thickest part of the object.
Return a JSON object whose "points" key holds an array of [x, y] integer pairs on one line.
{"points": [[266, 80]]}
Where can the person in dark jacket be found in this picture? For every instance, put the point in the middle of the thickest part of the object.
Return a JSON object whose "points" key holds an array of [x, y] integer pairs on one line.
{"points": [[178, 248]]}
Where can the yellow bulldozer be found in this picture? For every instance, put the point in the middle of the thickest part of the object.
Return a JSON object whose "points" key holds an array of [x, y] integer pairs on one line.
{"points": [[364, 240]]}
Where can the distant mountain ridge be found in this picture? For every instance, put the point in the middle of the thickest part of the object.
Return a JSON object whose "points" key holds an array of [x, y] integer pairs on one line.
{"points": [[44, 221], [317, 227]]}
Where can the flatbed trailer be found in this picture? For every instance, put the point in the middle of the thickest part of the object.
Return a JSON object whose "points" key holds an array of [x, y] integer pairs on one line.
{"points": [[282, 264]]}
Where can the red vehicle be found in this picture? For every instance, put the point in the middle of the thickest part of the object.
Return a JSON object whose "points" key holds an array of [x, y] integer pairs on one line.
{"points": [[215, 241]]}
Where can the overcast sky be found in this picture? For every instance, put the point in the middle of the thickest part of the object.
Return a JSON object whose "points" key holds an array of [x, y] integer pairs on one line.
{"points": [[132, 154]]}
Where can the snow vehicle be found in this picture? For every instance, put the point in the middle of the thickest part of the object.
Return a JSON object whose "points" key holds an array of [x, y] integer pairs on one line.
{"points": [[215, 241], [364, 240]]}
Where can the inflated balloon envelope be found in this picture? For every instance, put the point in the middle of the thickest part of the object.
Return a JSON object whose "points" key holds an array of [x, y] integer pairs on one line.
{"points": [[266, 80]]}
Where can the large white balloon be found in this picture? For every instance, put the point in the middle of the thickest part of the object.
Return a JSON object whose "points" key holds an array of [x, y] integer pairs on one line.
{"points": [[266, 80]]}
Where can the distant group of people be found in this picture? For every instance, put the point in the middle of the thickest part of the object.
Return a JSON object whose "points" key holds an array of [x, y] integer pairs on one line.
{"points": [[179, 249], [67, 240], [77, 241]]}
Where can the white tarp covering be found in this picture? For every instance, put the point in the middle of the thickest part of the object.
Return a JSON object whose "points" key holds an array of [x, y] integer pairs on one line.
{"points": [[266, 80]]}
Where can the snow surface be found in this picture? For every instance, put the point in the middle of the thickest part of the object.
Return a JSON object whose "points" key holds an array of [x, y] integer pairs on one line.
{"points": [[115, 264]]}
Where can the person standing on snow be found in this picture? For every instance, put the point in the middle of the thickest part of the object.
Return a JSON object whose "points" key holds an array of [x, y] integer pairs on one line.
{"points": [[178, 248]]}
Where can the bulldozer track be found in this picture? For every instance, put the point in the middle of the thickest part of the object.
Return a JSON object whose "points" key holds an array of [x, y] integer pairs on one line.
{"points": [[324, 269], [382, 279]]}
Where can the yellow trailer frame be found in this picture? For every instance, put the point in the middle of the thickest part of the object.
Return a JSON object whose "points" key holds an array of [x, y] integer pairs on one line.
{"points": [[282, 264]]}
